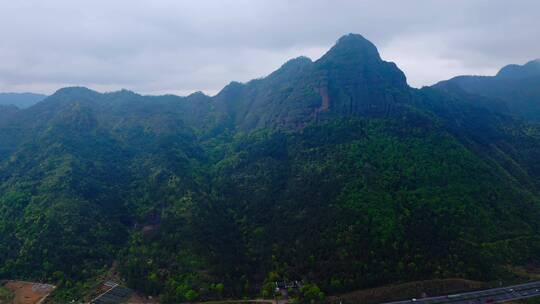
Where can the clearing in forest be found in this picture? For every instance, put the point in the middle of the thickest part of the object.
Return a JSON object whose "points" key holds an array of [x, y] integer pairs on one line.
{"points": [[28, 292]]}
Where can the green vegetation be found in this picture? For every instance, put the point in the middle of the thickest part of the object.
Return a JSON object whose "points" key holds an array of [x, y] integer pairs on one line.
{"points": [[5, 295], [309, 293], [333, 172], [528, 301]]}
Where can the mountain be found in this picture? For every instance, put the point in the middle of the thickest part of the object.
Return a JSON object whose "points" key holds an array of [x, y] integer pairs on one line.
{"points": [[514, 71], [351, 79], [515, 86], [332, 171], [20, 100]]}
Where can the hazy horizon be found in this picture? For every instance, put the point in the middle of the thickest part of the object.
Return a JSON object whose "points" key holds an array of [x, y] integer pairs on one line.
{"points": [[167, 47]]}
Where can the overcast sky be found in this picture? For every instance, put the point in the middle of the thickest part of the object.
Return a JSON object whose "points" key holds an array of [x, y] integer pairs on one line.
{"points": [[174, 46]]}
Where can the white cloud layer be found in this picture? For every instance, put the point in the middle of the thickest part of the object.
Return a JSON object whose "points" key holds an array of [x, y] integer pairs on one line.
{"points": [[169, 46]]}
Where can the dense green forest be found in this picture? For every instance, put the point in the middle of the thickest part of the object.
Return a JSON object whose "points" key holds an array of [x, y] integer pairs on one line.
{"points": [[334, 172]]}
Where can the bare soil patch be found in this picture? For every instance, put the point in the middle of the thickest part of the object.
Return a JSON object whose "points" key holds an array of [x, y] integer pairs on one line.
{"points": [[531, 271], [28, 292]]}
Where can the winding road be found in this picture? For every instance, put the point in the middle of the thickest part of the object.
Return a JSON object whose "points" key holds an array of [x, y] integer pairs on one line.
{"points": [[489, 296]]}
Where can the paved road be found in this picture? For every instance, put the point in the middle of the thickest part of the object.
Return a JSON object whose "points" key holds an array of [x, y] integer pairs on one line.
{"points": [[496, 295], [115, 294], [266, 301]]}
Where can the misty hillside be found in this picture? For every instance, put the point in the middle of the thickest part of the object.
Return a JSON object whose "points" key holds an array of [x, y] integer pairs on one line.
{"points": [[515, 86], [20, 100]]}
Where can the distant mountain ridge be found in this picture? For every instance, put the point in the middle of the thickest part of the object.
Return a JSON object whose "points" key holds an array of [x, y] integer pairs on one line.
{"points": [[530, 69], [350, 79], [21, 100], [516, 86]]}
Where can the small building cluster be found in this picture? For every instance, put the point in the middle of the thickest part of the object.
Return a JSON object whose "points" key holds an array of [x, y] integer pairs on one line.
{"points": [[286, 285]]}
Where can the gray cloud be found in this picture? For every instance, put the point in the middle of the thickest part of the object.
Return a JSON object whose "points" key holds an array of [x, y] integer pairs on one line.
{"points": [[167, 46]]}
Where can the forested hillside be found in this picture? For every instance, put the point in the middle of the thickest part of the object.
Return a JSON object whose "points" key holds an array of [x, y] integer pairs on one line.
{"points": [[332, 171], [514, 86]]}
